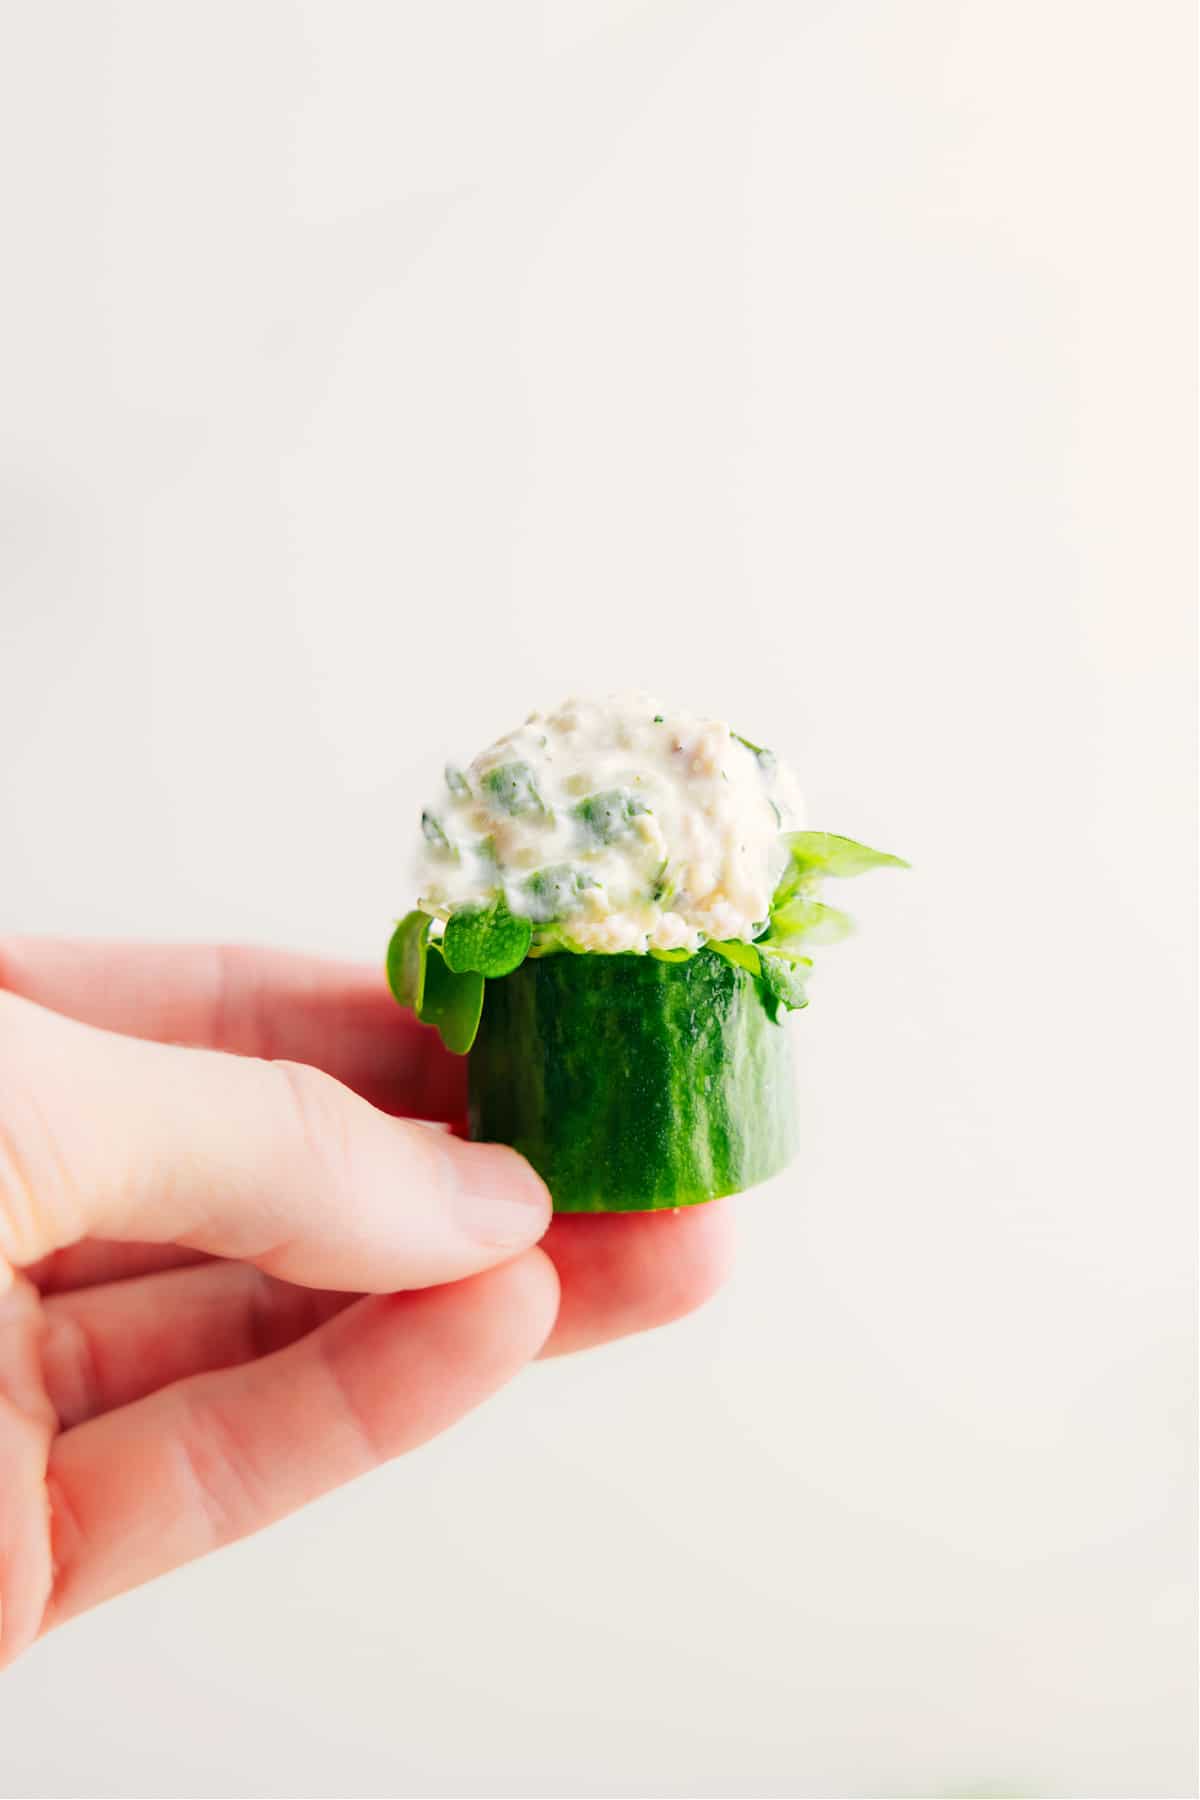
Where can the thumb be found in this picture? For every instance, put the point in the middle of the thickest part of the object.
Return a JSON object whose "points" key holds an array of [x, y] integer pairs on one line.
{"points": [[274, 1163]]}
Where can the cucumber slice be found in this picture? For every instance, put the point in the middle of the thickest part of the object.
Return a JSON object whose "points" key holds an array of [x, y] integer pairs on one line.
{"points": [[633, 1084]]}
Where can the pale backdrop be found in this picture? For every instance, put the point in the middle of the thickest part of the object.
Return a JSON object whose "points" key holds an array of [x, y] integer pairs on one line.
{"points": [[374, 373]]}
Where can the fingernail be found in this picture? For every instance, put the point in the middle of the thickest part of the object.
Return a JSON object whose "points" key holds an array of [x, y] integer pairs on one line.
{"points": [[497, 1199]]}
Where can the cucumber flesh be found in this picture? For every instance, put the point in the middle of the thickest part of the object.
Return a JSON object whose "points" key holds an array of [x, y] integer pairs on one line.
{"points": [[632, 1084]]}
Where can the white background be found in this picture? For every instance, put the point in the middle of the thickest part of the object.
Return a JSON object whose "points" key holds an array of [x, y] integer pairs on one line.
{"points": [[374, 373]]}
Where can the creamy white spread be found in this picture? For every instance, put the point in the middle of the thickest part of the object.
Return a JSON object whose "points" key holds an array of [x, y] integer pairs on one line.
{"points": [[616, 826]]}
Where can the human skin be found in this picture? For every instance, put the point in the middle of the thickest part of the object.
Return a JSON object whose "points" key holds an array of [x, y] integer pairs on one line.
{"points": [[234, 1273]]}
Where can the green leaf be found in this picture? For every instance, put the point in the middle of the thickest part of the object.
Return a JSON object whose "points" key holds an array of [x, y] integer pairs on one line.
{"points": [[807, 921], [671, 956], [418, 977], [457, 782], [824, 853], [791, 949], [452, 1002], [406, 959], [742, 956], [814, 854], [784, 980], [486, 940], [513, 788], [608, 817]]}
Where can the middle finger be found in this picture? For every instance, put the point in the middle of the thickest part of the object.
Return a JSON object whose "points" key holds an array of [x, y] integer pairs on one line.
{"points": [[106, 1346]]}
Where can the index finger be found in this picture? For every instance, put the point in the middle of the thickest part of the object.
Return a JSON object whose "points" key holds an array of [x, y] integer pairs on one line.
{"points": [[336, 1016], [275, 1163]]}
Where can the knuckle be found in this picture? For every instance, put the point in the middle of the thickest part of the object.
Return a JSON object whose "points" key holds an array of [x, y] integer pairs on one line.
{"points": [[18, 1233], [237, 1018], [37, 1195], [372, 1445], [71, 1369], [27, 1427], [218, 1480], [317, 1104]]}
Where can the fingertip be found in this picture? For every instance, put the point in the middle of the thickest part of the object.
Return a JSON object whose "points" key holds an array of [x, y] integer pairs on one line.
{"points": [[627, 1273], [474, 1335], [714, 1249], [498, 1200], [541, 1292], [381, 1203], [685, 1259], [525, 1294]]}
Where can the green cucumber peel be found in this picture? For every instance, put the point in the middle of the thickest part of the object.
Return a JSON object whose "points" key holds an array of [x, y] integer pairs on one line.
{"points": [[486, 940], [632, 1084], [417, 974]]}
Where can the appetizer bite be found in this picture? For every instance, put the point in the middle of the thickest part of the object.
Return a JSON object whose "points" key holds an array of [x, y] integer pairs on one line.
{"points": [[615, 908]]}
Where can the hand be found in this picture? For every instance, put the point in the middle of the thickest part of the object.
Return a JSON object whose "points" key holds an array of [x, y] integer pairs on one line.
{"points": [[229, 1284]]}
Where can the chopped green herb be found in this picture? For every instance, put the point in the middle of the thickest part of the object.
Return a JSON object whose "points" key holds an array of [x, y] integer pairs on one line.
{"points": [[766, 758], [607, 817], [457, 782], [432, 828], [555, 891], [662, 889], [513, 788]]}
